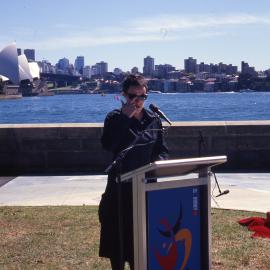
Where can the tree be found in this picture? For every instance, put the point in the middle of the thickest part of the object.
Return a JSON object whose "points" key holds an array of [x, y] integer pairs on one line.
{"points": [[1, 86]]}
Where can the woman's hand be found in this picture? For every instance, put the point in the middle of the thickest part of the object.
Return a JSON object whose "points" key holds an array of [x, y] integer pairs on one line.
{"points": [[129, 108]]}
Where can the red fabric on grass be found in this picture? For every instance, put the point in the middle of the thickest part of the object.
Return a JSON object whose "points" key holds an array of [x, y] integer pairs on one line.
{"points": [[260, 226]]}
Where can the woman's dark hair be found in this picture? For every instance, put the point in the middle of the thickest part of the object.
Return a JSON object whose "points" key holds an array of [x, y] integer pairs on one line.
{"points": [[133, 80]]}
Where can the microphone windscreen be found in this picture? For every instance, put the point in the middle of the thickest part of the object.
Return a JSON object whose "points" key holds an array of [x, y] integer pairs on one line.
{"points": [[153, 108]]}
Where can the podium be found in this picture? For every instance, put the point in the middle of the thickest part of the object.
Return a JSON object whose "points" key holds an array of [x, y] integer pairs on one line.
{"points": [[171, 213]]}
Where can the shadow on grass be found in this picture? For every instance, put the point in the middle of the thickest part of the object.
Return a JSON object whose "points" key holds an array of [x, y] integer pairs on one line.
{"points": [[67, 237]]}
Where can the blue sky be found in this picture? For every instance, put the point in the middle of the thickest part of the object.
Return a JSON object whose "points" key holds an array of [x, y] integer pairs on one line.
{"points": [[122, 33]]}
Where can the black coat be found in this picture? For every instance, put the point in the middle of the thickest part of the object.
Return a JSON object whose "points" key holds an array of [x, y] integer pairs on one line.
{"points": [[118, 134]]}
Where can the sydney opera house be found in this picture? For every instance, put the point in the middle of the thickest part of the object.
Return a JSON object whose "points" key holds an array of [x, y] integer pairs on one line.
{"points": [[17, 75]]}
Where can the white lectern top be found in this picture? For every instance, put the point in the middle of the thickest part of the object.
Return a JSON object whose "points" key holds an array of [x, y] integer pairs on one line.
{"points": [[166, 168]]}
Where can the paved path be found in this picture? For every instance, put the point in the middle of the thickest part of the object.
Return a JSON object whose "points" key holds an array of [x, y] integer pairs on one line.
{"points": [[247, 191]]}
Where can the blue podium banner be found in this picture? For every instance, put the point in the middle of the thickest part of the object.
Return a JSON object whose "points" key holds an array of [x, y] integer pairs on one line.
{"points": [[174, 228]]}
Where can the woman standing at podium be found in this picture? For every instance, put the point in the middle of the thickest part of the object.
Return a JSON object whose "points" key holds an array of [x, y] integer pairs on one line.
{"points": [[130, 125]]}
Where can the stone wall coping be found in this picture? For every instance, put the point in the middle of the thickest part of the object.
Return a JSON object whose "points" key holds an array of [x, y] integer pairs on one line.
{"points": [[54, 125], [174, 124]]}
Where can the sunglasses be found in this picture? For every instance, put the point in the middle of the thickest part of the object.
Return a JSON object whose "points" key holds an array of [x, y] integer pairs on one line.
{"points": [[142, 97]]}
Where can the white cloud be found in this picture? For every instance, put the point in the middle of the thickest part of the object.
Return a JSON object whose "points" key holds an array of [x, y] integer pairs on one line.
{"points": [[161, 28], [179, 22]]}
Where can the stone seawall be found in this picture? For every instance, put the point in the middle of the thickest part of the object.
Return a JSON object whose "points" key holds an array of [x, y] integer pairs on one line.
{"points": [[59, 148]]}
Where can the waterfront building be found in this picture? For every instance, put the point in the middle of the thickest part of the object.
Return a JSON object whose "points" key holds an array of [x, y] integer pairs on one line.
{"points": [[209, 86], [24, 69], [170, 86], [148, 66], [202, 75], [197, 86], [30, 54], [34, 70], [232, 86], [190, 65], [182, 86], [155, 85], [16, 67], [79, 64], [9, 63], [110, 86]]}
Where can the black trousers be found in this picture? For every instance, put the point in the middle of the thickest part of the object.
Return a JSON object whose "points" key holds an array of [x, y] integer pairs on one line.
{"points": [[117, 266]]}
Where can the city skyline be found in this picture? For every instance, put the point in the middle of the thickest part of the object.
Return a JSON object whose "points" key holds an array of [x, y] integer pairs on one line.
{"points": [[150, 68], [153, 64], [123, 34]]}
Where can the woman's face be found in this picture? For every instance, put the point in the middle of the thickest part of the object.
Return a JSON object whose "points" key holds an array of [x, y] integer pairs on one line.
{"points": [[136, 95]]}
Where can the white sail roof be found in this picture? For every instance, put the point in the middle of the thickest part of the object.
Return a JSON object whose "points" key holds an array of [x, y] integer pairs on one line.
{"points": [[9, 63], [24, 69], [34, 69], [3, 78]]}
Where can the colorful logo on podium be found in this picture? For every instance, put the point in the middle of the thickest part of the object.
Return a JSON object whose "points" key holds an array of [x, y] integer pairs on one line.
{"points": [[174, 236]]}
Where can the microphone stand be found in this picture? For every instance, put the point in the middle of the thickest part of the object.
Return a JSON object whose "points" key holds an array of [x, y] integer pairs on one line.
{"points": [[219, 190], [202, 143], [117, 165]]}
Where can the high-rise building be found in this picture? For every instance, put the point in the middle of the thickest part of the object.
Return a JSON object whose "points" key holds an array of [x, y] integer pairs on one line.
{"points": [[148, 66], [222, 68], [63, 64], [213, 68], [46, 67], [190, 65], [30, 54], [102, 68], [79, 64], [117, 71], [134, 70], [246, 69], [87, 72], [162, 71], [231, 69], [19, 51], [94, 70], [202, 67]]}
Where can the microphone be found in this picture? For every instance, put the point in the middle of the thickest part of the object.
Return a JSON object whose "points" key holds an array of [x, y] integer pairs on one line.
{"points": [[223, 193], [156, 110]]}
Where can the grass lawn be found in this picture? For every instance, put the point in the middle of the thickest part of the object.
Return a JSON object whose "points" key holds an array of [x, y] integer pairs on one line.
{"points": [[67, 237]]}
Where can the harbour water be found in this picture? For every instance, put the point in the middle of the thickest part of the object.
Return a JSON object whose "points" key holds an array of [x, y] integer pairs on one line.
{"points": [[86, 108]]}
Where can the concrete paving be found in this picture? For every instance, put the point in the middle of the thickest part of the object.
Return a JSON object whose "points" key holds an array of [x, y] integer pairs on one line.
{"points": [[247, 191]]}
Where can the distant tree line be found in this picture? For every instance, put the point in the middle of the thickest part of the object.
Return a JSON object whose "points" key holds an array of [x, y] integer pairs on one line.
{"points": [[247, 81], [1, 87]]}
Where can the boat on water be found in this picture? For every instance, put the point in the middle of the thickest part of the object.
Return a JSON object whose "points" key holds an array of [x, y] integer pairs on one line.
{"points": [[246, 90], [154, 92]]}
